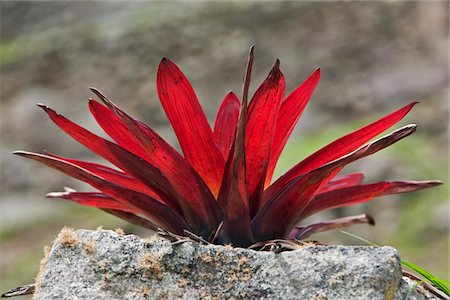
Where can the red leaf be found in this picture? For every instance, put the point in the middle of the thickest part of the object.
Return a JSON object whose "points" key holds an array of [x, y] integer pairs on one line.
{"points": [[286, 207], [107, 204], [131, 164], [112, 175], [261, 121], [226, 121], [233, 196], [341, 146], [300, 232], [130, 133], [147, 173], [190, 124], [198, 202], [156, 211], [234, 200], [94, 199], [290, 111], [362, 193], [118, 130], [342, 181]]}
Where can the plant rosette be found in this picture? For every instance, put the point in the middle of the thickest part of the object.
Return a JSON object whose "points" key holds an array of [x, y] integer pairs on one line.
{"points": [[219, 190]]}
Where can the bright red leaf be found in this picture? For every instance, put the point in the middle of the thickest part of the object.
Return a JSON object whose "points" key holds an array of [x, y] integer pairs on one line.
{"points": [[190, 124], [261, 121], [226, 121]]}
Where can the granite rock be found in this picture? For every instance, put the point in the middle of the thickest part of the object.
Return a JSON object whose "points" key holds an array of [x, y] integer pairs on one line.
{"points": [[105, 264]]}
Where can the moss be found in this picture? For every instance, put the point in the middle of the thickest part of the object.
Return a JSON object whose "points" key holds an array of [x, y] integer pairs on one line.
{"points": [[67, 237], [40, 275], [182, 282], [207, 258], [243, 260], [145, 291], [228, 246], [88, 246], [320, 296], [103, 265], [119, 231], [390, 292], [151, 265]]}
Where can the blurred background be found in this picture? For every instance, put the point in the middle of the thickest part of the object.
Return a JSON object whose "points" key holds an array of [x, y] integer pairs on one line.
{"points": [[375, 57]]}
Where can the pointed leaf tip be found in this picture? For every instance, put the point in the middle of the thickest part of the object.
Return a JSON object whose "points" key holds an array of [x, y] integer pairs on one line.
{"points": [[302, 232], [261, 122], [47, 109], [317, 72], [432, 183], [24, 153], [370, 219], [251, 52], [276, 66]]}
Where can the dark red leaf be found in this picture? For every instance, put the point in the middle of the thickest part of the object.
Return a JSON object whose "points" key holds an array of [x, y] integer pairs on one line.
{"points": [[147, 173], [261, 121], [226, 121], [118, 130], [234, 200], [128, 162], [300, 232], [153, 209], [342, 181], [112, 175], [233, 196], [95, 199], [341, 146], [286, 207], [190, 124], [290, 111], [198, 202], [362, 193]]}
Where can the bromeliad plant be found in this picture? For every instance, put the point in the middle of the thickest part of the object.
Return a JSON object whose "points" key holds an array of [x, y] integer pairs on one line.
{"points": [[220, 189]]}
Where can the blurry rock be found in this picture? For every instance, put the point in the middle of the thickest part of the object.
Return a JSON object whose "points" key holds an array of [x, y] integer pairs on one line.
{"points": [[107, 265]]}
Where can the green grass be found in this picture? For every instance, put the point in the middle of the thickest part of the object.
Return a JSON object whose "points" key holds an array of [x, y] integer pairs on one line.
{"points": [[437, 282]]}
